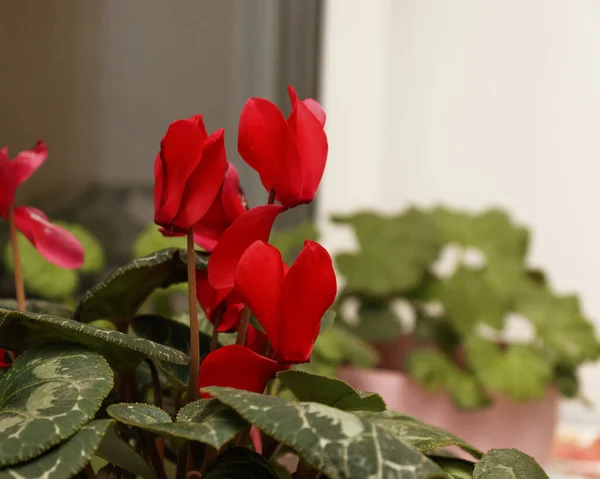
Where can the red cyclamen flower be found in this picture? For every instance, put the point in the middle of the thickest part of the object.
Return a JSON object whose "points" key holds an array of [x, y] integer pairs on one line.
{"points": [[221, 305], [237, 367], [189, 171], [288, 302], [55, 244], [289, 155], [229, 204]]}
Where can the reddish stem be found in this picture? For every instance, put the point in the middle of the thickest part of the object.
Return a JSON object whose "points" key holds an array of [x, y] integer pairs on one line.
{"points": [[18, 272], [194, 336]]}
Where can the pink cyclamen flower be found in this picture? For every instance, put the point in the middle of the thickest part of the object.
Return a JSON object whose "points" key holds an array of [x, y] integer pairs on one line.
{"points": [[55, 244]]}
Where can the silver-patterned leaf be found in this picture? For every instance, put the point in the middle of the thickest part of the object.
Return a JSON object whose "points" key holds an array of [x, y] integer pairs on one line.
{"points": [[508, 464], [423, 436], [335, 442], [122, 293], [208, 422], [20, 331], [455, 468], [333, 392], [47, 395], [66, 459]]}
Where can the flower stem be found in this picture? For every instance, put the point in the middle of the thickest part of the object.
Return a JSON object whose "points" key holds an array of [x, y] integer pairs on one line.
{"points": [[271, 199], [18, 272], [194, 336], [214, 340], [243, 329]]}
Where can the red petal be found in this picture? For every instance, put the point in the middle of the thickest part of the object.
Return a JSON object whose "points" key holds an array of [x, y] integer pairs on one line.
{"points": [[234, 201], [8, 184], [255, 224], [259, 279], [309, 289], [203, 184], [267, 144], [256, 340], [181, 151], [316, 110], [198, 122], [230, 320], [312, 146], [225, 209], [28, 161], [55, 244], [237, 367]]}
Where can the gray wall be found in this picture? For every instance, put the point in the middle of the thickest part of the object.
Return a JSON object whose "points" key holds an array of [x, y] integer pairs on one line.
{"points": [[100, 81]]}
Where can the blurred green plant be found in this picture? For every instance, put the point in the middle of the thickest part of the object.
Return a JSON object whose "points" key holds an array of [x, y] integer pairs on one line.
{"points": [[47, 281], [461, 314]]}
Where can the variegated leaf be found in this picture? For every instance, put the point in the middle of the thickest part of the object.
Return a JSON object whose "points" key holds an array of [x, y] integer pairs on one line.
{"points": [[47, 395]]}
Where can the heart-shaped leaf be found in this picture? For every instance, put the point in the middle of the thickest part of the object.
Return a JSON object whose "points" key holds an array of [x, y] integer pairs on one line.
{"points": [[338, 443], [117, 451], [120, 295], [241, 463], [20, 331], [39, 306], [329, 391], [47, 395], [174, 334], [209, 422], [395, 252], [509, 464], [423, 436], [64, 460]]}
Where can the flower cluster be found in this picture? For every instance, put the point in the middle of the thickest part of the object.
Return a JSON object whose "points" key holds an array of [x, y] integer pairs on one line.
{"points": [[197, 190]]}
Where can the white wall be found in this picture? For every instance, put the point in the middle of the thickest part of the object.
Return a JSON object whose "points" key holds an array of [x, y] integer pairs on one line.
{"points": [[475, 104]]}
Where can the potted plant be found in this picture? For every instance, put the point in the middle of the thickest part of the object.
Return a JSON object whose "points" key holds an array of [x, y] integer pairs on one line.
{"points": [[439, 293], [103, 391]]}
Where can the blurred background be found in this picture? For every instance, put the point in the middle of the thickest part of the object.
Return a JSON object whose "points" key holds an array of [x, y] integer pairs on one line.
{"points": [[470, 104]]}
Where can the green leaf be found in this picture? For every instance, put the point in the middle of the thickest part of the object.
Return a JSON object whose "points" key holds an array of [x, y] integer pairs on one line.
{"points": [[94, 260], [520, 371], [455, 468], [567, 335], [470, 298], [508, 464], [41, 277], [208, 422], [120, 295], [47, 395], [117, 451], [338, 443], [289, 242], [338, 345], [565, 379], [435, 371], [491, 231], [20, 331], [151, 240], [39, 306], [174, 334], [424, 437], [64, 460], [395, 252], [329, 391], [240, 463]]}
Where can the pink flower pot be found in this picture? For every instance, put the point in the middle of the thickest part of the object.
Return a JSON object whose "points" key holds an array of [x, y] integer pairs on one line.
{"points": [[528, 427]]}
